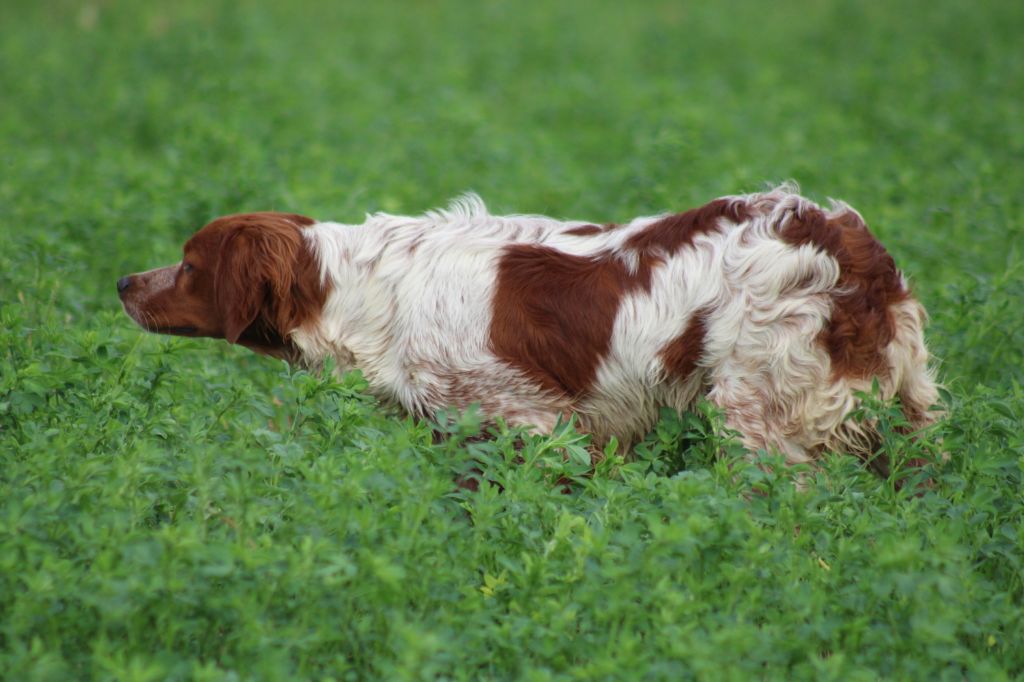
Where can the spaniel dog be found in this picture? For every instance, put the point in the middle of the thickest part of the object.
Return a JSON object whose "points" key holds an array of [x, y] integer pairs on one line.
{"points": [[777, 310]]}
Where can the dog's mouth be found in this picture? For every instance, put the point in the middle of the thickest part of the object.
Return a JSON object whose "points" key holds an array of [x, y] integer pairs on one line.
{"points": [[150, 324]]}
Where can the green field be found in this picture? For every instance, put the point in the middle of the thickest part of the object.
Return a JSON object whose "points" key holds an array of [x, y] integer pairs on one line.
{"points": [[182, 509]]}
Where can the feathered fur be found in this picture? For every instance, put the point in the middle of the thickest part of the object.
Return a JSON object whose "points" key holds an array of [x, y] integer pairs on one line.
{"points": [[776, 309]]}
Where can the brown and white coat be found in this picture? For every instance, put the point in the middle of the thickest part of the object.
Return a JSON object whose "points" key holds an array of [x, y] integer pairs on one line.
{"points": [[777, 310]]}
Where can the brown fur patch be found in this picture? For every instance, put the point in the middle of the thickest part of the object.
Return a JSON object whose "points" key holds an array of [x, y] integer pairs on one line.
{"points": [[584, 230], [554, 312], [681, 355], [590, 230], [268, 282], [672, 233], [869, 282]]}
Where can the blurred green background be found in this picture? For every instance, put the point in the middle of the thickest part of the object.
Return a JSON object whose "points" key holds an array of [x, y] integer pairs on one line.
{"points": [[125, 126]]}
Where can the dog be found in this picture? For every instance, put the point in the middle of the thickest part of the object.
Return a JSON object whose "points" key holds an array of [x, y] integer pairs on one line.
{"points": [[775, 309]]}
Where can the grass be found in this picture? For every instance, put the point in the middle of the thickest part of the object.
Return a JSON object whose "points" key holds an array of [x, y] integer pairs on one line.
{"points": [[178, 509]]}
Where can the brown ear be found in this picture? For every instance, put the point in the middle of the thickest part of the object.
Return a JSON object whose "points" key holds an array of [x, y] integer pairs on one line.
{"points": [[266, 274], [240, 285]]}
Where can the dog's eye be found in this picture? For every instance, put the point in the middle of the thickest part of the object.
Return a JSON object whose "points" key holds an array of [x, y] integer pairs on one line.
{"points": [[186, 267]]}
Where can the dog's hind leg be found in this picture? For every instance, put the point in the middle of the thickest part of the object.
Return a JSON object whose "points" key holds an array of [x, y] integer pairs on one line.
{"points": [[773, 380], [778, 390]]}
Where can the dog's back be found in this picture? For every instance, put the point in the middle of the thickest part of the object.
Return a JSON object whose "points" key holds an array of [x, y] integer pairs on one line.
{"points": [[777, 310]]}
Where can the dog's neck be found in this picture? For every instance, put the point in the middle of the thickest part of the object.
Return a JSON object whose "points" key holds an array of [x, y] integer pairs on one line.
{"points": [[353, 327]]}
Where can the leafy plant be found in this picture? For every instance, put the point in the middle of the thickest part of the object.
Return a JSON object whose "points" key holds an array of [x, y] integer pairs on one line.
{"points": [[180, 509]]}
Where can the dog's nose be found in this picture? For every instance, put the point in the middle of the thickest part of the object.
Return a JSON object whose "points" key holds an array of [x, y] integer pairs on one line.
{"points": [[123, 284]]}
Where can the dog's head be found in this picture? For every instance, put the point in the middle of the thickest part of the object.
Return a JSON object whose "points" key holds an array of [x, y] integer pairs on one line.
{"points": [[249, 278]]}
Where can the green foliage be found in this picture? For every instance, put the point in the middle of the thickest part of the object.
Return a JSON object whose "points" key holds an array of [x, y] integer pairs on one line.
{"points": [[178, 509]]}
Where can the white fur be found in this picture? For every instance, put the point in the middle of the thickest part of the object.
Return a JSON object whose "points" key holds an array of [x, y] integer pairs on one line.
{"points": [[410, 305]]}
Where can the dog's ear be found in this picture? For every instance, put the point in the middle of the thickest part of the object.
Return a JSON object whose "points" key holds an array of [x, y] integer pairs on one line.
{"points": [[240, 286], [266, 274]]}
